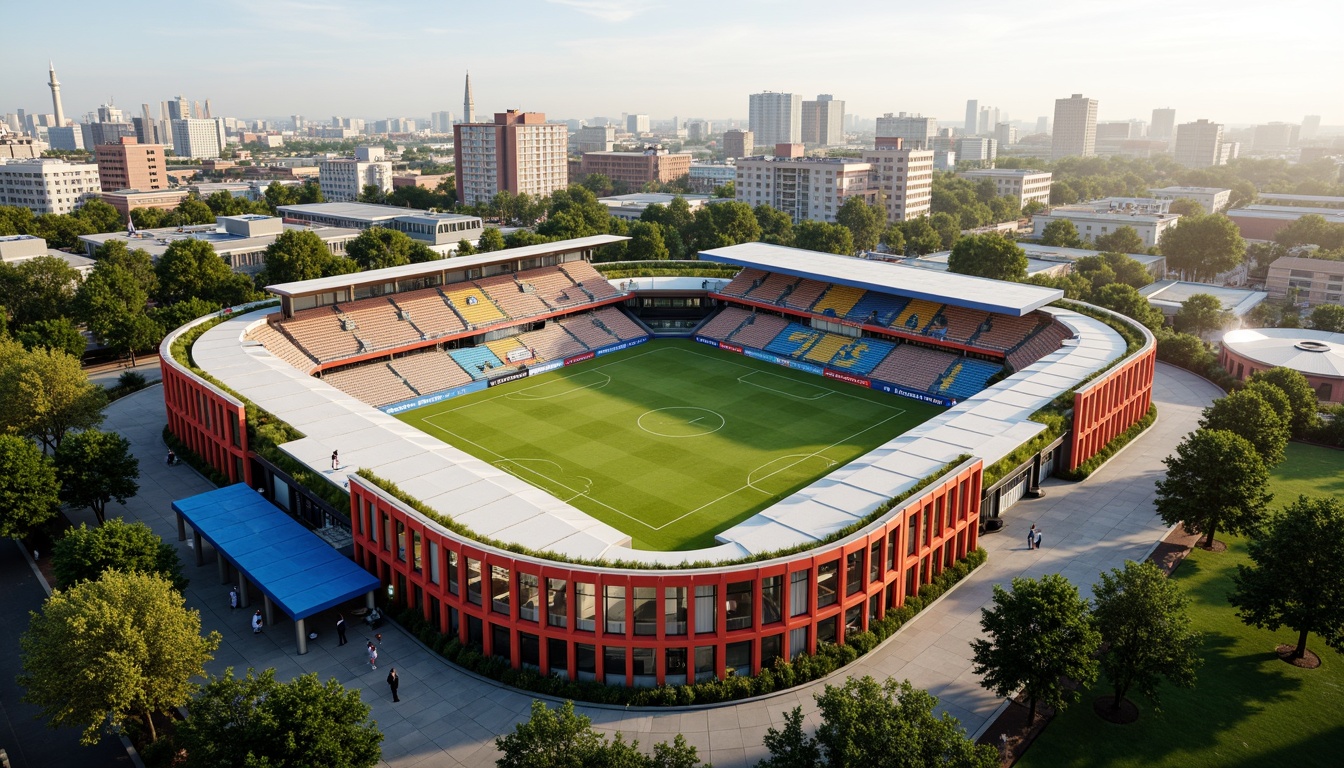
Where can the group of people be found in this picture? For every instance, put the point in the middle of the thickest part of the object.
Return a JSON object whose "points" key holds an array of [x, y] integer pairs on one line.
{"points": [[1033, 538]]}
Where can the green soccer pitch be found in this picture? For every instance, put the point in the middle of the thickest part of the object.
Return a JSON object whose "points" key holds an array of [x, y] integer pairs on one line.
{"points": [[672, 441]]}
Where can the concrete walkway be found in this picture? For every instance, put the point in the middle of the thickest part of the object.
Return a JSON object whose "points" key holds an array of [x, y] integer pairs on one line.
{"points": [[449, 718]]}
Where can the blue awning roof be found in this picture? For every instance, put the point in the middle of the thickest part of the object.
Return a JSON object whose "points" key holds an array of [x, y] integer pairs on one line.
{"points": [[298, 571]]}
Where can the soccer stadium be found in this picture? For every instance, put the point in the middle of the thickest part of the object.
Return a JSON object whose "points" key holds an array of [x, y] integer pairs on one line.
{"points": [[653, 480]]}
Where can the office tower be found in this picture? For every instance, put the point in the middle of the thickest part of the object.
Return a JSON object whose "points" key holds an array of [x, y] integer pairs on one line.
{"points": [[989, 118], [207, 114], [1199, 144], [1075, 127], [519, 152], [105, 133], [914, 131], [441, 122], [972, 114], [776, 118], [1311, 125], [637, 124], [110, 114], [1005, 135], [738, 143], [903, 177], [468, 104], [823, 121], [55, 86], [179, 109], [1276, 137], [597, 138], [1164, 124], [128, 164], [979, 150], [1042, 124], [65, 137], [146, 130], [198, 138], [1115, 130]]}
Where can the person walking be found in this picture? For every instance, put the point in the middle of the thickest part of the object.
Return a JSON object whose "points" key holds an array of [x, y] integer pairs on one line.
{"points": [[394, 682], [233, 598], [340, 628], [1038, 539], [373, 656], [1031, 537], [257, 622], [335, 459]]}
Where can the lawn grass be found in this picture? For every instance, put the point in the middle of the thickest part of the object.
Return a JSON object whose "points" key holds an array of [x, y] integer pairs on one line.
{"points": [[672, 441], [1247, 708]]}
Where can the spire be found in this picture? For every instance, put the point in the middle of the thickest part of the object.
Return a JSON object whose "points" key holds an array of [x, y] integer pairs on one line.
{"points": [[55, 86], [468, 104]]}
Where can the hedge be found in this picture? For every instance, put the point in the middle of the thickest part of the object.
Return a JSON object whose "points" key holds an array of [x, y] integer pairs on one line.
{"points": [[779, 676]]}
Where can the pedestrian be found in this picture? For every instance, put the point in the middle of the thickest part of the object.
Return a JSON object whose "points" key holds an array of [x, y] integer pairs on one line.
{"points": [[335, 460], [233, 598], [340, 628], [394, 682], [1038, 539], [172, 457], [373, 656], [257, 622], [1031, 537]]}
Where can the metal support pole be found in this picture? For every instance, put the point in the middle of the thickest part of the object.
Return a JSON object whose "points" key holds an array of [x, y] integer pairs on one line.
{"points": [[268, 610], [199, 545], [222, 568], [301, 635], [369, 600], [181, 527], [244, 592]]}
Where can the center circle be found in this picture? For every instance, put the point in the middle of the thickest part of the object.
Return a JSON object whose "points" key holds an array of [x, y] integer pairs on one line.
{"points": [[680, 421]]}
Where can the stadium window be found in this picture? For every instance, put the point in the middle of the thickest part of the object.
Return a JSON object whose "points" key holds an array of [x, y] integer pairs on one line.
{"points": [[452, 572], [912, 537], [772, 647], [797, 642], [874, 608], [557, 603], [387, 532], [613, 664], [705, 666], [674, 612], [645, 610], [952, 505], [499, 641], [675, 659], [706, 609], [738, 604], [372, 528], [644, 665], [401, 541], [938, 513], [585, 660], [798, 589], [828, 630], [853, 571], [927, 525], [891, 548], [416, 543], [474, 581], [875, 561], [772, 591], [911, 575], [433, 562], [557, 656], [737, 657], [529, 650], [828, 576], [529, 594], [854, 619], [613, 609], [499, 589], [585, 595]]}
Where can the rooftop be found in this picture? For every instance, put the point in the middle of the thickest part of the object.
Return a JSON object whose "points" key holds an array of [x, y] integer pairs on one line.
{"points": [[1324, 199], [1060, 253], [369, 212], [1288, 212], [944, 287], [156, 241], [1170, 294], [1003, 172], [1315, 353], [938, 261], [1176, 190]]}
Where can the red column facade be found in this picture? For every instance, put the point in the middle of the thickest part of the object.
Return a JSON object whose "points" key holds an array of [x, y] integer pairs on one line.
{"points": [[211, 423], [687, 624], [1110, 404]]}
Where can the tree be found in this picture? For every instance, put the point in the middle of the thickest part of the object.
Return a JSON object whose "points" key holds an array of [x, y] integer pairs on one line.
{"points": [[44, 394], [95, 467], [491, 240], [1123, 240], [598, 183], [1328, 317], [894, 238], [1247, 414], [1203, 246], [104, 650], [920, 236], [1040, 633], [38, 289], [724, 224], [1184, 206], [892, 724], [59, 334], [193, 211], [1062, 233], [83, 553], [988, 255], [1215, 481], [1127, 270], [1200, 314], [1129, 302], [378, 247], [190, 268], [824, 238], [864, 222], [372, 193], [1295, 580], [1142, 618], [28, 486], [1301, 397], [562, 738], [258, 721], [183, 312], [138, 262], [791, 747], [776, 226], [112, 302], [948, 228], [299, 254], [646, 242]]}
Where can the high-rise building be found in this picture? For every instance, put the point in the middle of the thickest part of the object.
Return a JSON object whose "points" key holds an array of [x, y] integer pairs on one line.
{"points": [[597, 138], [972, 115], [1026, 185], [823, 121], [198, 138], [1075, 127], [55, 86], [1311, 124], [207, 114], [979, 150], [1042, 124], [901, 178], [989, 118], [806, 188], [1005, 134], [1164, 124], [105, 133], [146, 128], [343, 179], [637, 124], [108, 113], [298, 122], [738, 143], [776, 118], [468, 103], [441, 122], [519, 152], [47, 185], [914, 131], [1198, 144], [1115, 129], [1276, 137], [65, 137], [179, 109], [128, 164]]}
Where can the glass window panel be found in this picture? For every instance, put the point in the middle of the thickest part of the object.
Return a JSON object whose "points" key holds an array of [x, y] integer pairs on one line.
{"points": [[646, 610], [452, 572], [674, 610], [529, 596], [828, 576], [706, 666], [557, 603], [772, 592], [706, 609], [798, 592], [738, 605], [613, 609], [585, 595], [853, 571], [416, 543], [433, 562], [499, 589], [613, 665], [474, 581]]}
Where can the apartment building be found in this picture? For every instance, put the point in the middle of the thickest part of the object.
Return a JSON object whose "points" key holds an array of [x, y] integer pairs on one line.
{"points": [[518, 152], [737, 143], [914, 131], [979, 150], [1146, 216], [1075, 128], [635, 169], [901, 178], [343, 179], [596, 138], [1199, 144], [1164, 124], [1028, 186], [806, 188], [47, 185], [198, 138], [129, 164], [1314, 281], [776, 118], [823, 121]]}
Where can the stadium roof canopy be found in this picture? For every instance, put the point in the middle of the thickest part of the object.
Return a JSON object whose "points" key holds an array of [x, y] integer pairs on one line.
{"points": [[458, 263], [1016, 299]]}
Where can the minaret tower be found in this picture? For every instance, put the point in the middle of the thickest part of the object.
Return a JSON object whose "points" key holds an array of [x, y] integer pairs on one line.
{"points": [[468, 104], [56, 96]]}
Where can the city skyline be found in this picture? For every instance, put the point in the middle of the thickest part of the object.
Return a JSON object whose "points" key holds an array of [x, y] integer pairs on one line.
{"points": [[700, 68]]}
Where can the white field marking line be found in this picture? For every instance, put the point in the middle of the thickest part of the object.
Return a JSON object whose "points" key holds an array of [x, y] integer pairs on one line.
{"points": [[836, 391], [522, 464], [524, 394], [722, 421], [804, 457], [743, 379], [801, 458]]}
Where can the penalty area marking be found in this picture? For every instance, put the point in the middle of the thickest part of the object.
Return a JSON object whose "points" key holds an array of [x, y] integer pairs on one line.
{"points": [[744, 379], [706, 422]]}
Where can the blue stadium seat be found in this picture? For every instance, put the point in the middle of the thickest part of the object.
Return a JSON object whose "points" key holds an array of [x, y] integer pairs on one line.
{"points": [[793, 340], [876, 308], [969, 378], [862, 356], [477, 361]]}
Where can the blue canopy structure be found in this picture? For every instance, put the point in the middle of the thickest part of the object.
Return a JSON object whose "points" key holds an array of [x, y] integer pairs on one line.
{"points": [[292, 566]]}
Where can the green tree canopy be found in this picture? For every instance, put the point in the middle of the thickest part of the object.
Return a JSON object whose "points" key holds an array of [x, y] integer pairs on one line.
{"points": [[194, 211], [894, 238], [1247, 414], [138, 262], [562, 738], [646, 242], [299, 254], [83, 553], [37, 289], [379, 247], [723, 224], [1062, 233], [776, 226], [102, 651], [491, 240], [864, 222], [1040, 634], [109, 301], [1203, 246], [1295, 579], [190, 268], [1129, 302], [1123, 240], [258, 721], [1301, 397], [988, 255], [1328, 317], [27, 487], [95, 467], [177, 315], [948, 228], [1215, 481], [60, 334], [1311, 229], [1200, 314], [823, 237], [44, 394], [1143, 620], [920, 236], [790, 746]]}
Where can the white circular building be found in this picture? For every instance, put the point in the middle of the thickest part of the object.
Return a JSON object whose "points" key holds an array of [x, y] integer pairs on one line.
{"points": [[1318, 355]]}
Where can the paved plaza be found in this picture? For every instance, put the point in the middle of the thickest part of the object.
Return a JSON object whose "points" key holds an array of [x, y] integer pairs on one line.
{"points": [[448, 717]]}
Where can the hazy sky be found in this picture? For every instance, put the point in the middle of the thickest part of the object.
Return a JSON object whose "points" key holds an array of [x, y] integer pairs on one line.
{"points": [[1233, 62]]}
